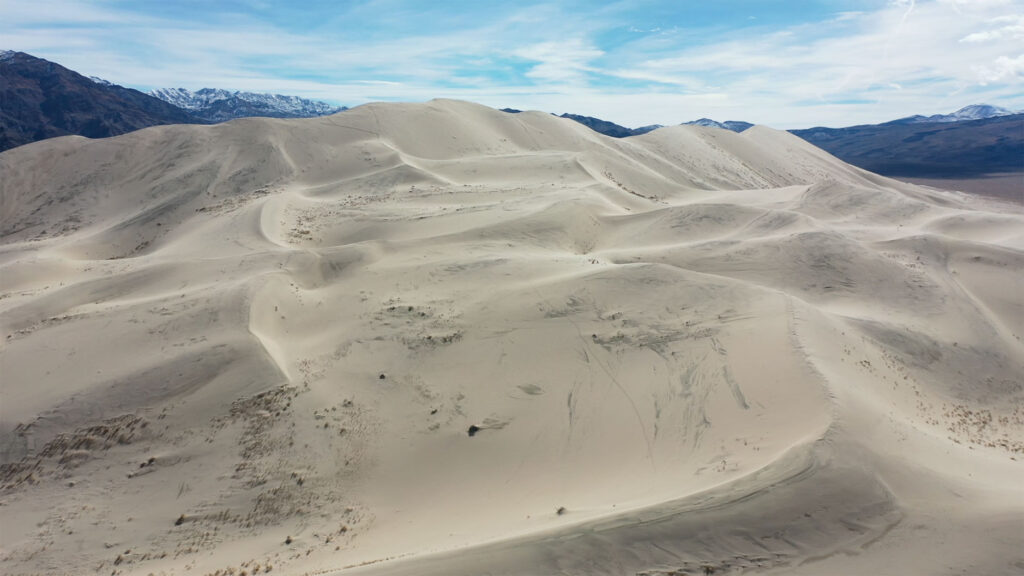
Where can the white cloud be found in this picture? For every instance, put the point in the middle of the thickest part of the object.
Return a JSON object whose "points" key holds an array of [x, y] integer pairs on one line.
{"points": [[906, 57], [850, 15], [1009, 27], [563, 61], [976, 3], [1002, 68], [859, 66]]}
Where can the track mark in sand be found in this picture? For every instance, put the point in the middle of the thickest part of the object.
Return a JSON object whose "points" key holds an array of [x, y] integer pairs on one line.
{"points": [[570, 401], [892, 520], [531, 389], [335, 123], [622, 389], [587, 358], [734, 386], [611, 178], [692, 387]]}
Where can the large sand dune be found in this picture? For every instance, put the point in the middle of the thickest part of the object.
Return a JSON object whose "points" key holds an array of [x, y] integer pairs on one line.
{"points": [[440, 339]]}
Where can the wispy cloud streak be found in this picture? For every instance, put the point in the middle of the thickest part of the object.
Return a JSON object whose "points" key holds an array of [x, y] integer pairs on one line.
{"points": [[632, 65]]}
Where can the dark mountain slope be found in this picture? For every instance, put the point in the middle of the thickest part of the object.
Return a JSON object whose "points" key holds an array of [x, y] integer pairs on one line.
{"points": [[949, 149], [609, 128], [40, 99]]}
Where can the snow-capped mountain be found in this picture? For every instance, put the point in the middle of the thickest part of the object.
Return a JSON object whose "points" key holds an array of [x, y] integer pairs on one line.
{"points": [[734, 125], [216, 105], [972, 112]]}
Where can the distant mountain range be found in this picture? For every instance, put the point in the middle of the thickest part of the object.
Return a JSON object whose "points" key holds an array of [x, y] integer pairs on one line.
{"points": [[972, 112], [928, 148], [734, 125], [215, 105], [610, 128], [598, 125], [975, 140], [967, 113], [41, 99]]}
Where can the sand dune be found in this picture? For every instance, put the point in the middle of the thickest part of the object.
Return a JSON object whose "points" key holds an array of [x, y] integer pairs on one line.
{"points": [[440, 339]]}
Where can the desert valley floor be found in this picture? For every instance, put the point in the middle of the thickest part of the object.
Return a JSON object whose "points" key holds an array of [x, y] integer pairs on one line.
{"points": [[439, 339]]}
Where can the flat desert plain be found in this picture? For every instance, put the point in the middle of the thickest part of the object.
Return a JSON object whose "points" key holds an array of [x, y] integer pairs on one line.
{"points": [[439, 339]]}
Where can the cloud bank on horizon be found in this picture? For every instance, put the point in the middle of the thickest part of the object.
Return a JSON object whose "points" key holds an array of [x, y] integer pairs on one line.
{"points": [[776, 62]]}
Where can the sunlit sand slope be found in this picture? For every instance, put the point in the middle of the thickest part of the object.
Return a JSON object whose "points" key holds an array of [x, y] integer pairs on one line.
{"points": [[441, 339]]}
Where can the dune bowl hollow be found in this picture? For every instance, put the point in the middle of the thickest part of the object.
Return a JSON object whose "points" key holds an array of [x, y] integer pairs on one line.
{"points": [[439, 339]]}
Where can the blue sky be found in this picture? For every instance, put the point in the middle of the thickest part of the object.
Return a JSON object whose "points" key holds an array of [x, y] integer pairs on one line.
{"points": [[787, 64]]}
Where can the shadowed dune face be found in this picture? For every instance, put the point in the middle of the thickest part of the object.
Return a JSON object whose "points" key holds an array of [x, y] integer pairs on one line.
{"points": [[439, 339]]}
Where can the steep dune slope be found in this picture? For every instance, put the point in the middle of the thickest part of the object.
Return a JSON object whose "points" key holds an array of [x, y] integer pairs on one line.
{"points": [[439, 339]]}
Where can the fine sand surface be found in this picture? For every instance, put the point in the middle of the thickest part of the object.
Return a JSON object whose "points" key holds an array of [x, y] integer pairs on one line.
{"points": [[1007, 186], [437, 339]]}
